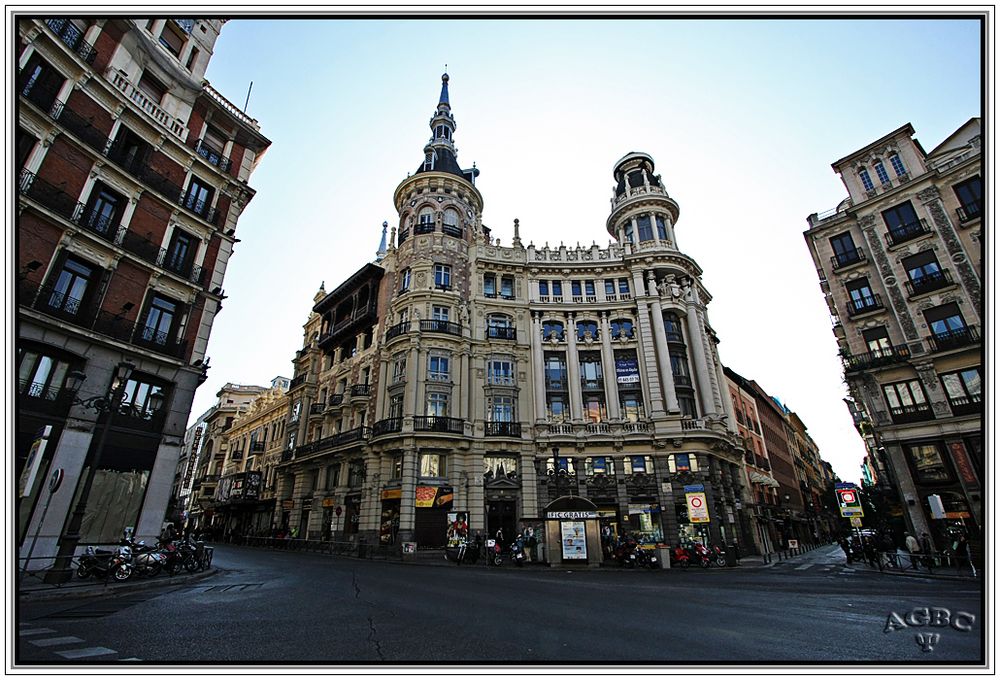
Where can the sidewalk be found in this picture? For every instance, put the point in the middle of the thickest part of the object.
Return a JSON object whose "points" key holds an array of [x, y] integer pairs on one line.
{"points": [[37, 590]]}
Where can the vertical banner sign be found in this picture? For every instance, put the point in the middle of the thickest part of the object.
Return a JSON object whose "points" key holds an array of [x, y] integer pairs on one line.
{"points": [[34, 462], [697, 508], [959, 455]]}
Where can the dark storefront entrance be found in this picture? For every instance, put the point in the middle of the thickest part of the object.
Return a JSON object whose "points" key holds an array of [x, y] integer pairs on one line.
{"points": [[502, 514]]}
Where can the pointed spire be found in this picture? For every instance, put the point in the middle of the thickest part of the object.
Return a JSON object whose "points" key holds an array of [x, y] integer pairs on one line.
{"points": [[380, 253], [444, 91]]}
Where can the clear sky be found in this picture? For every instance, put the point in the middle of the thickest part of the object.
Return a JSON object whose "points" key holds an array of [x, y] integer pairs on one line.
{"points": [[743, 119]]}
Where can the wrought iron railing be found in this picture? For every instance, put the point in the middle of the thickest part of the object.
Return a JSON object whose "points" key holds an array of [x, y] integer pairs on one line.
{"points": [[213, 157], [397, 330], [501, 333], [361, 390], [929, 282], [862, 305], [438, 424], [878, 357], [906, 232], [503, 429], [437, 326], [387, 426], [72, 37], [969, 212], [847, 258], [954, 339]]}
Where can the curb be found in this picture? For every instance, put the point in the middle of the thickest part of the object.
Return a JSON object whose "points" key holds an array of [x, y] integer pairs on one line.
{"points": [[111, 589]]}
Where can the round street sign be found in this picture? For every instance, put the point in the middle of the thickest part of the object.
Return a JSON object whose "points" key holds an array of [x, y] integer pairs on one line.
{"points": [[696, 502], [848, 496], [55, 480]]}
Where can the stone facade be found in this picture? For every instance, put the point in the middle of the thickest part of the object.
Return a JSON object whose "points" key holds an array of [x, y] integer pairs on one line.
{"points": [[900, 262]]}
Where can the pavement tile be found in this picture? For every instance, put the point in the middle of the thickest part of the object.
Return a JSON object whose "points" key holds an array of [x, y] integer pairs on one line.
{"points": [[52, 642]]}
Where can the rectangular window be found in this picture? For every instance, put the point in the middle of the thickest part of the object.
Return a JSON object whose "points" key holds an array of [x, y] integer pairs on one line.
{"points": [[901, 219], [333, 476], [866, 180], [153, 88], [638, 464], [905, 398], [199, 196], [398, 368], [355, 473], [844, 250], [970, 196], [661, 228], [438, 368], [71, 287], [507, 287], [588, 289], [609, 287], [555, 372], [623, 286], [576, 288], [897, 165], [555, 406], [964, 389], [431, 465], [25, 145], [645, 228], [404, 277], [501, 409], [594, 409], [159, 320], [442, 276], [439, 313], [883, 176], [396, 406], [490, 285], [181, 252], [861, 296], [631, 407], [591, 374], [437, 404], [172, 38], [877, 341], [137, 396], [40, 82], [543, 288], [103, 210], [928, 463], [945, 320], [500, 372], [599, 465], [396, 466], [557, 289], [40, 376]]}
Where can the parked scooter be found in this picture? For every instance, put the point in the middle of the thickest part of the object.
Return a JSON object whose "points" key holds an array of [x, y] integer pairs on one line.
{"points": [[701, 555], [719, 556], [646, 558], [493, 555], [680, 557], [517, 551], [104, 563]]}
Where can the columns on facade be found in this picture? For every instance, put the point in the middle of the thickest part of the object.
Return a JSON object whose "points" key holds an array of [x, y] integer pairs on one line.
{"points": [[464, 385], [538, 367], [662, 351], [407, 501], [610, 374], [410, 390], [647, 351], [573, 371], [383, 389], [697, 343]]}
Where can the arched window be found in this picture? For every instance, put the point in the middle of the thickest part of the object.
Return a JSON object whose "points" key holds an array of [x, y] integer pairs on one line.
{"points": [[500, 327], [451, 225], [425, 221], [553, 330], [622, 329], [586, 330]]}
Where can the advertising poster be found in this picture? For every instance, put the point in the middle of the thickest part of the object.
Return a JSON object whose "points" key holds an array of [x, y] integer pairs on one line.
{"points": [[627, 371], [697, 508], [458, 529], [574, 540]]}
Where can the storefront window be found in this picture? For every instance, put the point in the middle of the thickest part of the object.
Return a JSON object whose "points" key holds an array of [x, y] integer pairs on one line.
{"points": [[644, 523], [682, 462], [638, 464], [564, 465], [599, 465], [928, 463]]}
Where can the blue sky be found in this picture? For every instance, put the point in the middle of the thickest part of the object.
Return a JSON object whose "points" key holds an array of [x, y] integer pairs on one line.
{"points": [[743, 119]]}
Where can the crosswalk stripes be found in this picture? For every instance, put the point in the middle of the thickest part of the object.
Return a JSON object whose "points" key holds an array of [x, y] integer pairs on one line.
{"points": [[28, 632]]}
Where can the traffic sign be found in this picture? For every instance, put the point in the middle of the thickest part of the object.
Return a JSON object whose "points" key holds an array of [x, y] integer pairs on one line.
{"points": [[849, 500], [856, 522]]}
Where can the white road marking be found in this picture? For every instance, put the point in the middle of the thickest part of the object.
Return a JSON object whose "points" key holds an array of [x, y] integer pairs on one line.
{"points": [[804, 566], [135, 658], [89, 651], [35, 631], [51, 642]]}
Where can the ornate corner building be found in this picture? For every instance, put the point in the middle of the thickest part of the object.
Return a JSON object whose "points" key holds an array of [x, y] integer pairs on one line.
{"points": [[133, 174], [900, 262], [457, 374]]}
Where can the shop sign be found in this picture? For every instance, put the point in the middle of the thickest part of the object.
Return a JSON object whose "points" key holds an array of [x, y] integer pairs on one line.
{"points": [[627, 370], [329, 502], [288, 504], [961, 458], [572, 514], [392, 494], [34, 461], [697, 508], [574, 540], [634, 509], [433, 496], [957, 515], [683, 462], [694, 488], [252, 484]]}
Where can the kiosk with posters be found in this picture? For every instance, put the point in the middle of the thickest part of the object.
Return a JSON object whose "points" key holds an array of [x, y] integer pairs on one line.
{"points": [[572, 531]]}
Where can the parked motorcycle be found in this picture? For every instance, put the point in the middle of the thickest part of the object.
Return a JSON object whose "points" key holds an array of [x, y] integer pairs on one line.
{"points": [[701, 555], [517, 552], [103, 563], [646, 558], [493, 555], [680, 557], [719, 556]]}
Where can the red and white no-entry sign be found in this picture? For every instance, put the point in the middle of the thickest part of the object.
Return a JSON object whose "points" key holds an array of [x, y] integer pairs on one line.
{"points": [[848, 497], [696, 502]]}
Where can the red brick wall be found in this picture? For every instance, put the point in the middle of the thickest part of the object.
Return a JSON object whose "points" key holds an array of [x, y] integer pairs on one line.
{"points": [[87, 108], [236, 156], [66, 167], [150, 219], [211, 255], [194, 123], [106, 43], [194, 320], [36, 240], [128, 284], [222, 208], [169, 169]]}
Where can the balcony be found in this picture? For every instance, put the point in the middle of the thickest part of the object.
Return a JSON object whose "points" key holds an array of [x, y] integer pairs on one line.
{"points": [[256, 447], [72, 37], [438, 424], [914, 413], [501, 429], [423, 228], [929, 282], [397, 330], [213, 157], [969, 405], [333, 441], [555, 384], [438, 326], [864, 305], [452, 230], [173, 125], [84, 129], [876, 358], [361, 390], [50, 196], [848, 258], [960, 337], [592, 384], [296, 381], [906, 232], [970, 212], [316, 409], [682, 381], [501, 333], [387, 426], [287, 455], [335, 400]]}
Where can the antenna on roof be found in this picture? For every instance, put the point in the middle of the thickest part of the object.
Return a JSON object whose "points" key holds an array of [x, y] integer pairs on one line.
{"points": [[249, 90]]}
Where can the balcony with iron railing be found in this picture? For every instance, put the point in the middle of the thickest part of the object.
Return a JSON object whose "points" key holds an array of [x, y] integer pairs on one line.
{"points": [[213, 157], [969, 212], [438, 424], [296, 381], [423, 228], [503, 429], [439, 326], [452, 230], [913, 413], [361, 390], [316, 409], [335, 400], [929, 283], [257, 447], [397, 330], [387, 426], [906, 232], [501, 333], [970, 404], [875, 358], [954, 339], [848, 258], [72, 37], [864, 305]]}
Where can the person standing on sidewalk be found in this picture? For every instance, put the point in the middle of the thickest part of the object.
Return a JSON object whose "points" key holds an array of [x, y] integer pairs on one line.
{"points": [[925, 548], [914, 549]]}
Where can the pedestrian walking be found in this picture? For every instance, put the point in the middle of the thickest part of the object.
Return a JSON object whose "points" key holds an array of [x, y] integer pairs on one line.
{"points": [[926, 549], [913, 547]]}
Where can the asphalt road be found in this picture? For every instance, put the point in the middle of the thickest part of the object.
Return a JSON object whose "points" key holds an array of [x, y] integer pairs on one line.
{"points": [[286, 608]]}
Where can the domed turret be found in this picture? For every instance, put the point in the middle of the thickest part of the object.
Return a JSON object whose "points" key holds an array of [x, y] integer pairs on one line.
{"points": [[641, 210]]}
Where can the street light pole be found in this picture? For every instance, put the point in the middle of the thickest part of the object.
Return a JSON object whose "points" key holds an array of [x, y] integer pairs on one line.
{"points": [[61, 571]]}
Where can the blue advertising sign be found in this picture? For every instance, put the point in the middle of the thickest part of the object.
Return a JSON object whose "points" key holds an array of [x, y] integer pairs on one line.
{"points": [[694, 488], [627, 370]]}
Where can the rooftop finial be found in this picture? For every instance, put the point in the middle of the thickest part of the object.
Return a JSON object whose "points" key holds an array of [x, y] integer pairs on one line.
{"points": [[444, 89], [382, 249]]}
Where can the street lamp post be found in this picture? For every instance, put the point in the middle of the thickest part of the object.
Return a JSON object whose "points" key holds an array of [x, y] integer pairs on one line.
{"points": [[107, 405]]}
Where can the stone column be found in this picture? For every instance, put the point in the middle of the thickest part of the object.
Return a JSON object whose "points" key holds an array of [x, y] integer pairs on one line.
{"points": [[382, 396], [463, 385], [410, 390], [697, 344], [647, 361], [538, 367], [668, 224], [610, 374], [656, 232], [663, 352], [710, 358], [573, 371], [407, 509]]}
